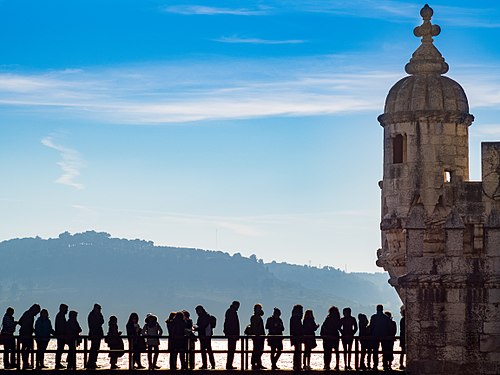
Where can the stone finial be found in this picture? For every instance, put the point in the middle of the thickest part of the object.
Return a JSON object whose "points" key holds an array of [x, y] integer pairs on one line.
{"points": [[427, 59], [427, 30]]}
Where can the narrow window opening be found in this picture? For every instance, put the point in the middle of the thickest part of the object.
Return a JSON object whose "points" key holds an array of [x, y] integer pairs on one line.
{"points": [[447, 176], [399, 149]]}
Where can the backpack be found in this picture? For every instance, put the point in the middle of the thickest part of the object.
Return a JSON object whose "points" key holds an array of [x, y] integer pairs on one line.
{"points": [[213, 321]]}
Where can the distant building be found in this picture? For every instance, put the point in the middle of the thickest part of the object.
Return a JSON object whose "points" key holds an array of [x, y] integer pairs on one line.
{"points": [[440, 232]]}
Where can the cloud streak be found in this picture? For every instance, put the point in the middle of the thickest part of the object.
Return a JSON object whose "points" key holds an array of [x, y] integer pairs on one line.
{"points": [[213, 11], [240, 40], [222, 90], [70, 164]]}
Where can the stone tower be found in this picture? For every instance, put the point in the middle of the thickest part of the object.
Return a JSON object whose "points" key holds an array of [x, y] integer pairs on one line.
{"points": [[440, 232]]}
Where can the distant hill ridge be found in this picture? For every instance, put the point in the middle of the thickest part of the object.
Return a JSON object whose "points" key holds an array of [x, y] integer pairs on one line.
{"points": [[135, 275]]}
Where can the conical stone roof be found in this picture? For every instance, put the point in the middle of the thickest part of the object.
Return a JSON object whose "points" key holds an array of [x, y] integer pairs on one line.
{"points": [[426, 92]]}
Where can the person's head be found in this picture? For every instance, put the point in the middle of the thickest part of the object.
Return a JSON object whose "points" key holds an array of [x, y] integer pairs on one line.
{"points": [[150, 319], [276, 312], [308, 314], [235, 305], [35, 309], [388, 313], [297, 310], [171, 316], [97, 307], [113, 319], [73, 314], [44, 314], [257, 309], [363, 320], [200, 310], [186, 314], [63, 308], [334, 312], [179, 315], [402, 310], [346, 311], [133, 318], [380, 308], [9, 311]]}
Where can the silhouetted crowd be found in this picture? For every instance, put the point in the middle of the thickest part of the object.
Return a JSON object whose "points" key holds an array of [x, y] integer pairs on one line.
{"points": [[377, 333]]}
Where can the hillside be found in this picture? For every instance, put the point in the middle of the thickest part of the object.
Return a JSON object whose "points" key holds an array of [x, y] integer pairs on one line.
{"points": [[134, 275]]}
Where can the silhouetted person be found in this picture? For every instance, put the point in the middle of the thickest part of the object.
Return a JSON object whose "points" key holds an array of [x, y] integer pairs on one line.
{"points": [[296, 336], [330, 335], [381, 327], [258, 333], [9, 342], [178, 341], [170, 321], [309, 329], [388, 344], [72, 335], [60, 327], [205, 333], [402, 338], [96, 333], [170, 324], [275, 328], [190, 359], [26, 330], [114, 341], [152, 331], [232, 332], [365, 341], [135, 340], [348, 328], [43, 331]]}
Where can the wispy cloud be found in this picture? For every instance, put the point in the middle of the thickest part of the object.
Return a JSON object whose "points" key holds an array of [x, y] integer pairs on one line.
{"points": [[215, 90], [70, 164], [236, 39], [214, 11]]}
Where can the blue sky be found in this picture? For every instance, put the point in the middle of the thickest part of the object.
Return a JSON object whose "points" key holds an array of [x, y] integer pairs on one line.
{"points": [[242, 126]]}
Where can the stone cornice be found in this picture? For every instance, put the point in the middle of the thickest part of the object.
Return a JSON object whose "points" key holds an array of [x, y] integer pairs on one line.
{"points": [[431, 116]]}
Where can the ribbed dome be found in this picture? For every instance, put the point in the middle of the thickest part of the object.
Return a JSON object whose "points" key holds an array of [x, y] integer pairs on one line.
{"points": [[426, 92]]}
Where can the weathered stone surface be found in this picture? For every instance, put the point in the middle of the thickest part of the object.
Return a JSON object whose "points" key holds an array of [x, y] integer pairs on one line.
{"points": [[440, 232]]}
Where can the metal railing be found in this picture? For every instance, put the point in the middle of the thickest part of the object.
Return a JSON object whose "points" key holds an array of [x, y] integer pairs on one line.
{"points": [[243, 350]]}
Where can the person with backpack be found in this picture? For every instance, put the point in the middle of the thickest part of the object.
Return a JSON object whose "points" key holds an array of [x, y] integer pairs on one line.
{"points": [[204, 326], [115, 342]]}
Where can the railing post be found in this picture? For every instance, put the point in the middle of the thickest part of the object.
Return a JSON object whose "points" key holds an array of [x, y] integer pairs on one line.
{"points": [[18, 353], [130, 354], [32, 353], [85, 351], [246, 352], [242, 354], [356, 352]]}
